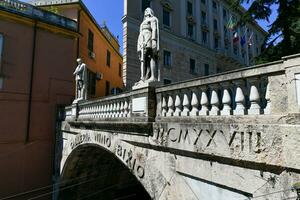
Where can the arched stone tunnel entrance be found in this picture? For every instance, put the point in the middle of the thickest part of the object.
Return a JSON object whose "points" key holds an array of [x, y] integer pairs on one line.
{"points": [[91, 172]]}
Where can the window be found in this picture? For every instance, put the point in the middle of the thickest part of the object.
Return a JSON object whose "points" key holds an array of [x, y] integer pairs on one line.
{"points": [[204, 37], [120, 70], [216, 43], [167, 81], [224, 13], [206, 69], [167, 58], [203, 1], [203, 18], [91, 41], [166, 17], [145, 4], [190, 30], [107, 88], [91, 76], [215, 25], [108, 58], [214, 5], [189, 8], [192, 66]]}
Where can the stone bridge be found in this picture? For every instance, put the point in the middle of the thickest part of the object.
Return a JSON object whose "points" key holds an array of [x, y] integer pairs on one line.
{"points": [[230, 136]]}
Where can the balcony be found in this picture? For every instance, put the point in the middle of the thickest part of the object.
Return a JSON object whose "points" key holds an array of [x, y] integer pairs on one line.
{"points": [[33, 12]]}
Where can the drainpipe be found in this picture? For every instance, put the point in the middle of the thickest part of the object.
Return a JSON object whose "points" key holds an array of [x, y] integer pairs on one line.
{"points": [[27, 134], [78, 30]]}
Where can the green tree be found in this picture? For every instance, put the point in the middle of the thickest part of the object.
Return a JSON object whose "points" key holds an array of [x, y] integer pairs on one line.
{"points": [[286, 26]]}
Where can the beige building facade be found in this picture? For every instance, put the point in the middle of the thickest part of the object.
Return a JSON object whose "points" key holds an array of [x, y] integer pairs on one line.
{"points": [[195, 38]]}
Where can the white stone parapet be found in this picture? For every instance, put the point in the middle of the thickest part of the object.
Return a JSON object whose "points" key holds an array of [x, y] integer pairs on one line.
{"points": [[269, 89], [257, 90]]}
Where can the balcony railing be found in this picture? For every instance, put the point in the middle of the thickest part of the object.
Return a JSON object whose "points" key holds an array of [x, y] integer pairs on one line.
{"points": [[256, 91], [28, 10]]}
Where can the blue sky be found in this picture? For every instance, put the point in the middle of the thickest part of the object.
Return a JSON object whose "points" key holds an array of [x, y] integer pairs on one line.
{"points": [[111, 11]]}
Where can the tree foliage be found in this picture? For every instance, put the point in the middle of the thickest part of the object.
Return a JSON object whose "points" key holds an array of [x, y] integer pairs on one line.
{"points": [[286, 27]]}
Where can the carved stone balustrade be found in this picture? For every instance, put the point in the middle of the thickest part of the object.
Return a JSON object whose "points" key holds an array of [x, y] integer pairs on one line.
{"points": [[246, 92], [267, 89]]}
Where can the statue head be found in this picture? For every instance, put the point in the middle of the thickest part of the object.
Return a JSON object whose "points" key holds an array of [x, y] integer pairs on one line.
{"points": [[148, 13], [79, 61]]}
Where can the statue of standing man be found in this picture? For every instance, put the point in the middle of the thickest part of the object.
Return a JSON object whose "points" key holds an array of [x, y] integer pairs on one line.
{"points": [[80, 74], [148, 47]]}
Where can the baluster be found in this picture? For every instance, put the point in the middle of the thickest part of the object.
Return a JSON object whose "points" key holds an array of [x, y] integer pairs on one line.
{"points": [[255, 108], [129, 109], [267, 110], [204, 102], [177, 106], [164, 107], [114, 110], [194, 104], [107, 111], [121, 109], [118, 110], [186, 106], [226, 100], [101, 111], [170, 106], [104, 111], [125, 108], [109, 107], [214, 100], [239, 98]]}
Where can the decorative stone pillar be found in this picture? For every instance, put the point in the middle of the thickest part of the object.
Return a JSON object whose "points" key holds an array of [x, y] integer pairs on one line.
{"points": [[226, 99], [239, 98], [121, 109], [255, 108], [214, 100], [204, 101], [177, 112], [170, 106], [126, 106], [194, 104], [186, 105], [164, 107]]}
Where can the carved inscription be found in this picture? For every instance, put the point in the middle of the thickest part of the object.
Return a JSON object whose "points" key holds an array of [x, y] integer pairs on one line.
{"points": [[79, 139], [126, 155], [206, 138], [103, 140]]}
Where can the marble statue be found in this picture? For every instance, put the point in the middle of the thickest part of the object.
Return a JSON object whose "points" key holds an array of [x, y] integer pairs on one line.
{"points": [[148, 47], [80, 74]]}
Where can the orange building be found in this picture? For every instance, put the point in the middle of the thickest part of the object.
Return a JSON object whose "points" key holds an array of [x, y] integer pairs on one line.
{"points": [[98, 48], [37, 59]]}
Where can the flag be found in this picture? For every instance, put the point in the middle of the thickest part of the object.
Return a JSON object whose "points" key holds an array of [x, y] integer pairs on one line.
{"points": [[235, 37], [250, 40], [230, 23]]}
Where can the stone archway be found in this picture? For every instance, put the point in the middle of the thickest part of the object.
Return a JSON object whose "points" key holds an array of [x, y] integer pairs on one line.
{"points": [[91, 172]]}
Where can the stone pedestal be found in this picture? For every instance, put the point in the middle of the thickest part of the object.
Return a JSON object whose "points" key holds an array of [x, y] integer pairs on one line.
{"points": [[144, 100]]}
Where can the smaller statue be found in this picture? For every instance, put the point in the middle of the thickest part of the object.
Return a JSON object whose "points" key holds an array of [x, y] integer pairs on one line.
{"points": [[80, 74], [148, 47]]}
